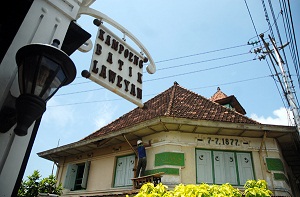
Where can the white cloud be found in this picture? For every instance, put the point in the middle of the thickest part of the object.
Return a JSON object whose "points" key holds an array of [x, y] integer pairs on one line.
{"points": [[61, 115], [105, 115], [281, 116]]}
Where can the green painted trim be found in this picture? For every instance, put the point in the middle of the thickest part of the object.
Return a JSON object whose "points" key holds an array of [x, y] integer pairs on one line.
{"points": [[169, 158], [274, 164], [280, 177], [172, 171]]}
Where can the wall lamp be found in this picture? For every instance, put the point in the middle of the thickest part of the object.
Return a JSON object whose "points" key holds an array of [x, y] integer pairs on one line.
{"points": [[42, 70]]}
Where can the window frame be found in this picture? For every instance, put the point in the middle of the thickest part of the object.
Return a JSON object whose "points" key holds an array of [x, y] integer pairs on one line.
{"points": [[126, 183], [211, 165], [72, 176]]}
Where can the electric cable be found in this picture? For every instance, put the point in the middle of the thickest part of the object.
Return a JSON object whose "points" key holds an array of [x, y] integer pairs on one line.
{"points": [[196, 54], [203, 61], [265, 30], [283, 51], [216, 85], [270, 28], [293, 29], [187, 64], [196, 71], [212, 68], [294, 54]]}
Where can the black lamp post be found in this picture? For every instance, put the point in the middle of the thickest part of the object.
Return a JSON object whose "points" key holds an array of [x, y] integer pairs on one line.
{"points": [[42, 70]]}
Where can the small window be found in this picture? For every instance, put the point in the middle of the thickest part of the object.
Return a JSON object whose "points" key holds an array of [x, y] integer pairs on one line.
{"points": [[228, 106], [77, 175]]}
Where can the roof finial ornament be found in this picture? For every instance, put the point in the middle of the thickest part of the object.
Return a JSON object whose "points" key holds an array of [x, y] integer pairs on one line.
{"points": [[218, 89], [175, 83]]}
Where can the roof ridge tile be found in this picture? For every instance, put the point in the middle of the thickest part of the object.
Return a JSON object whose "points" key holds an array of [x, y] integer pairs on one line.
{"points": [[171, 99]]}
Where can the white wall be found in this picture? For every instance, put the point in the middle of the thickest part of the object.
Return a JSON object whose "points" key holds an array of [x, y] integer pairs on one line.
{"points": [[43, 23]]}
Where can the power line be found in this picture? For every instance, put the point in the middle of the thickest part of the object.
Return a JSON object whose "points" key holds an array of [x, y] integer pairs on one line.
{"points": [[109, 100], [181, 65], [229, 83], [267, 17], [196, 71], [267, 29], [279, 36], [187, 64], [170, 76], [80, 92], [251, 19], [219, 58], [293, 45], [202, 53], [283, 51], [293, 29], [181, 74], [270, 29]]}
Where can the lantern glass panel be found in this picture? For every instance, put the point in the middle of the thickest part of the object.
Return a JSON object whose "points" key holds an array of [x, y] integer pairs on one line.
{"points": [[50, 78], [42, 80], [28, 74]]}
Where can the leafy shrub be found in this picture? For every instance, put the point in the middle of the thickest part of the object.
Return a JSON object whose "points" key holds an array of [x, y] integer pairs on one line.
{"points": [[252, 189], [34, 185], [257, 189]]}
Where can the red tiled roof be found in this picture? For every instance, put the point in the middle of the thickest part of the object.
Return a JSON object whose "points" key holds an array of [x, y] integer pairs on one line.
{"points": [[221, 98], [218, 95], [175, 102]]}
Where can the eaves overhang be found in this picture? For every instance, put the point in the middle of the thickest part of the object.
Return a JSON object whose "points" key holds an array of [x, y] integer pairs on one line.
{"points": [[283, 134]]}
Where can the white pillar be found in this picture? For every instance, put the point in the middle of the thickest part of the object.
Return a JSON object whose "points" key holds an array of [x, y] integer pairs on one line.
{"points": [[46, 20]]}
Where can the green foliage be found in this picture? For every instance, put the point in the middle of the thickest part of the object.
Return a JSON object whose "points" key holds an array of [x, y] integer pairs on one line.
{"points": [[48, 185], [35, 185], [252, 189], [257, 189]]}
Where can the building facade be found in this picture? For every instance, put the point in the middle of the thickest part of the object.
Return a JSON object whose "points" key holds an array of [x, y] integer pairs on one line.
{"points": [[193, 140]]}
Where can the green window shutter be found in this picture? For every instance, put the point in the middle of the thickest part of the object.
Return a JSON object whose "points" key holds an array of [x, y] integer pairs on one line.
{"points": [[85, 174], [70, 176], [120, 172], [274, 164], [219, 167], [204, 166], [245, 167], [230, 168], [124, 171], [224, 167], [169, 158], [129, 173]]}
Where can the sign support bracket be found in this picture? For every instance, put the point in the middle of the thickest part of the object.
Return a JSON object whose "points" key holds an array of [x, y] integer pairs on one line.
{"points": [[151, 68]]}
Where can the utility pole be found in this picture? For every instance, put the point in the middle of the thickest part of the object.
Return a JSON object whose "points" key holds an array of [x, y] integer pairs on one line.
{"points": [[286, 86]]}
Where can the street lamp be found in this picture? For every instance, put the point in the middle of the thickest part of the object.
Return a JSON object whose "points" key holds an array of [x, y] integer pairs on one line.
{"points": [[42, 70]]}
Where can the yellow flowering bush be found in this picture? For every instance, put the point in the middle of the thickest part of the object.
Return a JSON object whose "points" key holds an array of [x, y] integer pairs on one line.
{"points": [[252, 189], [257, 189]]}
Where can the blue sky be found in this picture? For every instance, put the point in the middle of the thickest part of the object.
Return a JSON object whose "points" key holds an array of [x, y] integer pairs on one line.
{"points": [[202, 45]]}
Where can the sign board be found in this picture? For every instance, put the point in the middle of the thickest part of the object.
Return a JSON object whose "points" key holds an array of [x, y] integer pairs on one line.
{"points": [[117, 66]]}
